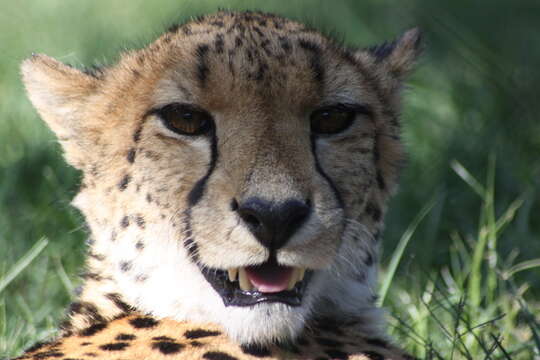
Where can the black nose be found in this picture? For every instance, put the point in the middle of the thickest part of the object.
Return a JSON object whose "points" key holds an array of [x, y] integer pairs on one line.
{"points": [[273, 224]]}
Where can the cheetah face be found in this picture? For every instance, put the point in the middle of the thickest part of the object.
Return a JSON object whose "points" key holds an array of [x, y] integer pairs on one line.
{"points": [[235, 170]]}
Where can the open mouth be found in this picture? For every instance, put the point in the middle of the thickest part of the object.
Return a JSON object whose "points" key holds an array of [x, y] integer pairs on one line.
{"points": [[267, 282]]}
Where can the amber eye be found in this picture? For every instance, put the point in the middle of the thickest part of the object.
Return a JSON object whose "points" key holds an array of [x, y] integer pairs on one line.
{"points": [[185, 119], [332, 119]]}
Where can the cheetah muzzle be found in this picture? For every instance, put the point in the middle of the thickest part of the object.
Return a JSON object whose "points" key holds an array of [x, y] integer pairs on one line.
{"points": [[267, 282]]}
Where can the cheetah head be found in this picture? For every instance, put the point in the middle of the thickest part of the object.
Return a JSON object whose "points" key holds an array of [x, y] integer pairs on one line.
{"points": [[234, 171]]}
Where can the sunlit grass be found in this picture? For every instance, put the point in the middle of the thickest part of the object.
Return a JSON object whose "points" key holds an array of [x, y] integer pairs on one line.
{"points": [[473, 308]]}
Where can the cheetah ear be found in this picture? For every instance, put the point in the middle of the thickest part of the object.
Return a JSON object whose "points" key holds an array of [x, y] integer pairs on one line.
{"points": [[57, 91], [399, 56], [60, 94]]}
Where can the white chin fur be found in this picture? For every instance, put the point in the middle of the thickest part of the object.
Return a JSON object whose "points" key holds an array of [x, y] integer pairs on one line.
{"points": [[175, 288], [264, 323]]}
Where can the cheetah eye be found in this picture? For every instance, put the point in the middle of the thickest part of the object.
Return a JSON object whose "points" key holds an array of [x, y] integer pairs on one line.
{"points": [[334, 119], [185, 119]]}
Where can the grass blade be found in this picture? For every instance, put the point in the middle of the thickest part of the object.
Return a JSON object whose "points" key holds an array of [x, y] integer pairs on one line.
{"points": [[23, 263], [466, 176], [525, 265], [400, 248]]}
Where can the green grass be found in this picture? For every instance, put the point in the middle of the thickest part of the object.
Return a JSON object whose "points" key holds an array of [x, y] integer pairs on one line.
{"points": [[461, 276], [472, 308]]}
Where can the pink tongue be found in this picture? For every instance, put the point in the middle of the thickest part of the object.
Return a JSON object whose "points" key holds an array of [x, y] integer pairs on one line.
{"points": [[269, 277]]}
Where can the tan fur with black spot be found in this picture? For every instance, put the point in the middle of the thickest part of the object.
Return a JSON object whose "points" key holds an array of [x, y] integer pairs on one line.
{"points": [[162, 207], [139, 337]]}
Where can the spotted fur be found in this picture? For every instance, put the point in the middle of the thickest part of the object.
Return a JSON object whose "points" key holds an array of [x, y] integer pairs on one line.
{"points": [[159, 204], [140, 337]]}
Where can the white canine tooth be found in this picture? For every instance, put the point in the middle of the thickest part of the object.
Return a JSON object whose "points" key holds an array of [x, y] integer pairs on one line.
{"points": [[292, 279], [245, 284], [301, 273], [233, 273]]}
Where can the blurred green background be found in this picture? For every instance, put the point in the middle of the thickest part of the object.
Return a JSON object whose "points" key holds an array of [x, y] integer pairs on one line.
{"points": [[475, 95]]}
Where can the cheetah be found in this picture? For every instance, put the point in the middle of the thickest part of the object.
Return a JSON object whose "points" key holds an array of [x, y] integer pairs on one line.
{"points": [[235, 175]]}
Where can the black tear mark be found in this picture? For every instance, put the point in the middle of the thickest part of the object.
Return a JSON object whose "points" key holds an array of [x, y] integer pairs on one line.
{"points": [[218, 355], [143, 322], [197, 192], [321, 172], [167, 347], [202, 66], [200, 333]]}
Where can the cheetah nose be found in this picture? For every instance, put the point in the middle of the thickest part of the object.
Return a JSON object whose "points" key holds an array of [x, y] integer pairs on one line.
{"points": [[273, 224]]}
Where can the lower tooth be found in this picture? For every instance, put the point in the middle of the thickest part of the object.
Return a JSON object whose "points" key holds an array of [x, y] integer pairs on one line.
{"points": [[245, 284]]}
